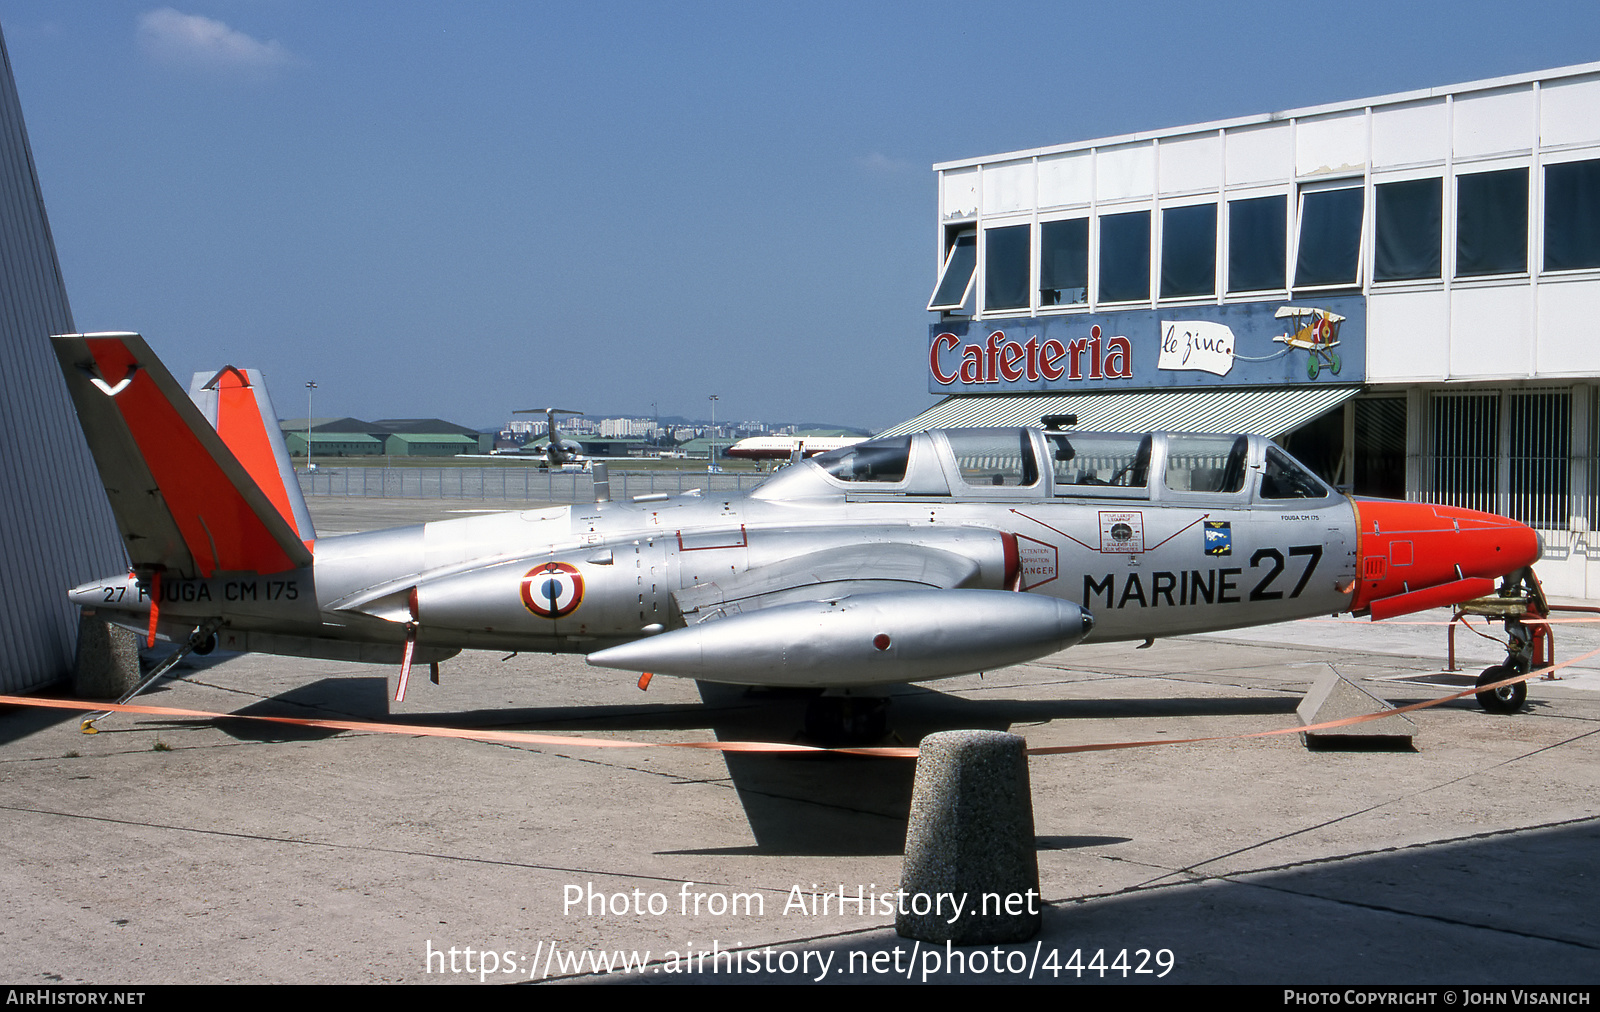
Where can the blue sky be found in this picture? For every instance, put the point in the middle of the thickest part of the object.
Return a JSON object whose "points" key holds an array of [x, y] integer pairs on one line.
{"points": [[460, 209]]}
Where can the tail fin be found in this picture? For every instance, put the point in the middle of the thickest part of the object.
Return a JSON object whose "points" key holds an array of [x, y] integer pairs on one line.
{"points": [[236, 403], [184, 503]]}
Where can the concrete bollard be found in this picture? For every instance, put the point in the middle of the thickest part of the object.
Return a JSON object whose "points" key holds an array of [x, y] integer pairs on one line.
{"points": [[1335, 697], [107, 662], [971, 872]]}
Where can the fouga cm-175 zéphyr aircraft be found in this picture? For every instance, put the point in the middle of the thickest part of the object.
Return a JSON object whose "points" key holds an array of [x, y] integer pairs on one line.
{"points": [[894, 560]]}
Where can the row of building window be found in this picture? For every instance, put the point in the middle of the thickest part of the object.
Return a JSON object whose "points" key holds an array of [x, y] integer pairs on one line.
{"points": [[1508, 452], [1491, 238]]}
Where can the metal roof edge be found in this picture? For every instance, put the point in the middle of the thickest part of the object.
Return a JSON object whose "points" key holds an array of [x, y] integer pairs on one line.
{"points": [[1213, 402], [1259, 119]]}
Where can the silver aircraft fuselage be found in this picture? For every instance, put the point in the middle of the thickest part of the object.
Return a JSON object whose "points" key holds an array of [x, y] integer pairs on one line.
{"points": [[942, 553]]}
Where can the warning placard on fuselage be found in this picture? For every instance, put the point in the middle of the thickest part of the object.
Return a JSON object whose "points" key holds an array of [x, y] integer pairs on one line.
{"points": [[1121, 531], [1037, 562]]}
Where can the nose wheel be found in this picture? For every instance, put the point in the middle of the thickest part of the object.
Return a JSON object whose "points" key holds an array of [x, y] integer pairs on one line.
{"points": [[1505, 699]]}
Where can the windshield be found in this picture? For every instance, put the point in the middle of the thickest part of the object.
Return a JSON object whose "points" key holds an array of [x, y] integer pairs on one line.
{"points": [[875, 460], [1283, 478]]}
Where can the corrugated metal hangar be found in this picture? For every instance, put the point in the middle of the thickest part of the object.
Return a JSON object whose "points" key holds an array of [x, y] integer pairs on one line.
{"points": [[1403, 289], [56, 529]]}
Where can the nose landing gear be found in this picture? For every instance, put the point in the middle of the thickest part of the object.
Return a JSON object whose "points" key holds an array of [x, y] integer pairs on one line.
{"points": [[1519, 601]]}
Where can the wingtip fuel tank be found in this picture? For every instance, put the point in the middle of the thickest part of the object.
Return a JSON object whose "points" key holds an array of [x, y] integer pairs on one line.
{"points": [[871, 639]]}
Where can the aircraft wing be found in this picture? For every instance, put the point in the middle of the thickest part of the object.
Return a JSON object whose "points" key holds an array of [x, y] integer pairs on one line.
{"points": [[827, 574]]}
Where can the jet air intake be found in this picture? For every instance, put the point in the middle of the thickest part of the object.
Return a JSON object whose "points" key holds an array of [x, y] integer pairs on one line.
{"points": [[866, 639]]}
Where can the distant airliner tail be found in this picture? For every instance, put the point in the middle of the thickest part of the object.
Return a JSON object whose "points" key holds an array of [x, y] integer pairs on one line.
{"points": [[190, 499]]}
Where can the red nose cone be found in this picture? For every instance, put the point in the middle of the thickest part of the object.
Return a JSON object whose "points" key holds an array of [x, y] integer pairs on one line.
{"points": [[1407, 547]]}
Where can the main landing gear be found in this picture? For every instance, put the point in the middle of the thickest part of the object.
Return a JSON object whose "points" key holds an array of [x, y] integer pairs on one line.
{"points": [[847, 720]]}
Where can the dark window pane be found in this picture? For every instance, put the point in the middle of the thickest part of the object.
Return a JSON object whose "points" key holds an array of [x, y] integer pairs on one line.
{"points": [[1100, 459], [1381, 447], [1005, 267], [1064, 262], [1492, 223], [1409, 216], [1466, 450], [1330, 238], [1125, 257], [1257, 231], [1189, 251], [1540, 484], [959, 264], [1572, 216]]}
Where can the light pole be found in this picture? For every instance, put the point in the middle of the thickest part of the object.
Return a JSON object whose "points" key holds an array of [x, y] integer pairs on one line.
{"points": [[309, 388], [711, 458]]}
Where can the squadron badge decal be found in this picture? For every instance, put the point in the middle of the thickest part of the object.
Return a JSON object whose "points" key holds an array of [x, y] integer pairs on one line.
{"points": [[1219, 537]]}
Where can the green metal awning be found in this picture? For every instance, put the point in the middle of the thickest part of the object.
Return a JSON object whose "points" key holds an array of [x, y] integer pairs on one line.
{"points": [[1270, 411]]}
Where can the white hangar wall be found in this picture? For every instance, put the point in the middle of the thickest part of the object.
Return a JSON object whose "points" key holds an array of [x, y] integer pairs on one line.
{"points": [[56, 529], [1462, 223]]}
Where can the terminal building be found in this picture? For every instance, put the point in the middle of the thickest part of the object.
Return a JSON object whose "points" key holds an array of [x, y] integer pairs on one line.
{"points": [[1404, 291]]}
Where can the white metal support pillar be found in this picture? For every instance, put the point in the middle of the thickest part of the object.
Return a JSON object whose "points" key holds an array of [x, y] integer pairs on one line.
{"points": [[1416, 441]]}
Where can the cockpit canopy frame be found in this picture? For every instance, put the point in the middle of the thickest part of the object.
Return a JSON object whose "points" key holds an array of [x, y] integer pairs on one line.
{"points": [[1005, 463]]}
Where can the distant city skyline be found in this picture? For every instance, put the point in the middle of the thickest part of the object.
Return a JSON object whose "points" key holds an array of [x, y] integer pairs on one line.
{"points": [[591, 423], [465, 209]]}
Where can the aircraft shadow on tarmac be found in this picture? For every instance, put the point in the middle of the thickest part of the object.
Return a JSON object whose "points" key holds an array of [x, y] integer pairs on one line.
{"points": [[805, 804], [860, 807], [329, 699], [19, 722], [822, 805]]}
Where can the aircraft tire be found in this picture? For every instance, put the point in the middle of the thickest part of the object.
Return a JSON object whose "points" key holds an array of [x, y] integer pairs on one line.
{"points": [[1507, 699], [206, 646], [1333, 362], [1311, 367]]}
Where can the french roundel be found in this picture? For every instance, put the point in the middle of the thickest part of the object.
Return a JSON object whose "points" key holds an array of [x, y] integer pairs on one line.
{"points": [[552, 590]]}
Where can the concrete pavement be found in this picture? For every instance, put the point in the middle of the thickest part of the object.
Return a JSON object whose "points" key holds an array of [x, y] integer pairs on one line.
{"points": [[176, 850]]}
